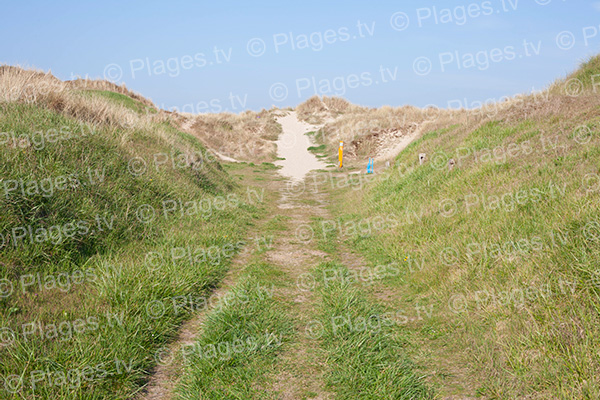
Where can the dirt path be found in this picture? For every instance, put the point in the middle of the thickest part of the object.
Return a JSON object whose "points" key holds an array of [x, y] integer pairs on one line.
{"points": [[291, 255], [300, 370], [302, 364]]}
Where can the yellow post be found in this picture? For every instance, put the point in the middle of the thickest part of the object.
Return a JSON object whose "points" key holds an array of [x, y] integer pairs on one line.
{"points": [[341, 153]]}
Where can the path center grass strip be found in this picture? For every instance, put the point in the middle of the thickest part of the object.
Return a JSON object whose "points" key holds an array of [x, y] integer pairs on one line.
{"points": [[240, 339]]}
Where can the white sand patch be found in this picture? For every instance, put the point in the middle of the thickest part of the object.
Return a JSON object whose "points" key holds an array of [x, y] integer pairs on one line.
{"points": [[293, 145]]}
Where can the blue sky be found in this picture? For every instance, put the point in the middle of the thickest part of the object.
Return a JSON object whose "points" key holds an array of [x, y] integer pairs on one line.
{"points": [[201, 56]]}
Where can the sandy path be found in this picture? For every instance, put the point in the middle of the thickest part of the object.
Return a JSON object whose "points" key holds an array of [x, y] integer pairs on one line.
{"points": [[292, 145], [302, 366]]}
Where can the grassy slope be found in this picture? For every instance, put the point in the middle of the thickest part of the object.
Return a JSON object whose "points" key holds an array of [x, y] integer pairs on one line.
{"points": [[365, 353], [504, 248], [123, 100], [87, 306]]}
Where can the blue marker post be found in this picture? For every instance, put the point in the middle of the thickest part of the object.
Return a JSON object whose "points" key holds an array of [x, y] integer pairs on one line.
{"points": [[370, 166]]}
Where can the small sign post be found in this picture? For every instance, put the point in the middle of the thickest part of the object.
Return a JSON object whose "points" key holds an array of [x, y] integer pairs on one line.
{"points": [[341, 153]]}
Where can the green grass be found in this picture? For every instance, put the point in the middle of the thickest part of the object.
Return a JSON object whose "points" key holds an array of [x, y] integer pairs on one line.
{"points": [[257, 325], [503, 250], [364, 342], [486, 248], [317, 149], [325, 234], [123, 100], [89, 308]]}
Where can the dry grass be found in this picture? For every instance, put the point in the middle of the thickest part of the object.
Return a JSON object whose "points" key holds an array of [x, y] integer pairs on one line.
{"points": [[371, 132], [71, 98], [317, 110], [249, 136]]}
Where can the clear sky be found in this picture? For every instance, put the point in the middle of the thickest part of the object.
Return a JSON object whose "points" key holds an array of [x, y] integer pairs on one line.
{"points": [[201, 56]]}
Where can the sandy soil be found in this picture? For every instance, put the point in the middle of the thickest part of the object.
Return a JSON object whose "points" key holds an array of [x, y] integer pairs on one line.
{"points": [[392, 146], [292, 145]]}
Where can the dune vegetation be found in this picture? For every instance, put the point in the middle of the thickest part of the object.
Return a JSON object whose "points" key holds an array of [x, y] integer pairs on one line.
{"points": [[501, 248], [249, 136], [115, 226], [136, 263]]}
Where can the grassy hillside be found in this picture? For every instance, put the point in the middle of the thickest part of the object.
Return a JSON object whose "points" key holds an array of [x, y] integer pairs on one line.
{"points": [[482, 274], [501, 253], [115, 225]]}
